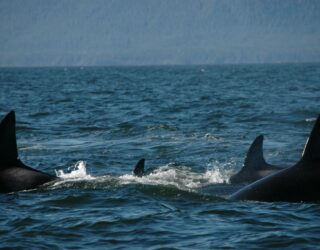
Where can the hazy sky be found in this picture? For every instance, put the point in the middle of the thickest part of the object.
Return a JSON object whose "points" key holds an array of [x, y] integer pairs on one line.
{"points": [[146, 32]]}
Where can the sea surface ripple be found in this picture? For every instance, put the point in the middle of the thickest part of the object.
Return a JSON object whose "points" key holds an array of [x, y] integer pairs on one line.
{"points": [[192, 124]]}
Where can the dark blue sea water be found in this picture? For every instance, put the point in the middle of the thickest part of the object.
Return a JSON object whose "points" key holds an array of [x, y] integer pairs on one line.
{"points": [[193, 124]]}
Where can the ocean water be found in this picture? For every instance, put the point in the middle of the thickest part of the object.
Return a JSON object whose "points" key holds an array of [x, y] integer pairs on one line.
{"points": [[192, 124]]}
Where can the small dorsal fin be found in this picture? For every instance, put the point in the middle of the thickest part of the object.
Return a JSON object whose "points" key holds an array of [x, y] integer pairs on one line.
{"points": [[254, 158], [8, 142], [311, 150], [139, 168]]}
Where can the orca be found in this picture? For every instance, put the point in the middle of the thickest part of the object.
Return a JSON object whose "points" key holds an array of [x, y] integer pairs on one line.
{"points": [[255, 167], [139, 168], [298, 183], [14, 174]]}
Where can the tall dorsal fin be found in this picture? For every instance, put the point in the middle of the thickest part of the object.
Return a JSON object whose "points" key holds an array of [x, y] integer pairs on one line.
{"points": [[254, 158], [139, 168], [8, 142], [311, 150]]}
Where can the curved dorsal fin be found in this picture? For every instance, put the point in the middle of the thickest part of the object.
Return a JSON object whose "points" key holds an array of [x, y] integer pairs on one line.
{"points": [[254, 158], [139, 168], [311, 150], [8, 142]]}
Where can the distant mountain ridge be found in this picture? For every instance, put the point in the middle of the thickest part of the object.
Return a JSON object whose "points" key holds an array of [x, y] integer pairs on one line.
{"points": [[144, 32]]}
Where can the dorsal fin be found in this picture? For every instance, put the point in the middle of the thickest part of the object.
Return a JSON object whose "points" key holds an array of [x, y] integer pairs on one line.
{"points": [[311, 152], [254, 158], [8, 142], [139, 168]]}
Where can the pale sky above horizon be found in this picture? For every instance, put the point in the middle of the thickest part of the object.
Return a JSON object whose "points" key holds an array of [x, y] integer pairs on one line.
{"points": [[148, 32]]}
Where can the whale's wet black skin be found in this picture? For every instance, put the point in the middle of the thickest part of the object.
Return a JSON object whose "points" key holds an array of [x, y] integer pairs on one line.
{"points": [[299, 183], [14, 175], [139, 168], [255, 167]]}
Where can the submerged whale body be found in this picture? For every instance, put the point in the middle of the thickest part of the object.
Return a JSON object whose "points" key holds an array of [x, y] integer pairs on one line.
{"points": [[299, 183], [255, 167], [14, 175]]}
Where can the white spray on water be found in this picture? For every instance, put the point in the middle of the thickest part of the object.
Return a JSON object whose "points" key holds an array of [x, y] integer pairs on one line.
{"points": [[181, 177], [78, 171]]}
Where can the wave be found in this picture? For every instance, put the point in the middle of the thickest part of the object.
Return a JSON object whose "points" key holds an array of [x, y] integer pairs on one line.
{"points": [[78, 171], [181, 177], [312, 119]]}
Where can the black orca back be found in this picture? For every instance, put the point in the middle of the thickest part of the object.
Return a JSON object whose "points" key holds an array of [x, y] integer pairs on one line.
{"points": [[14, 175], [255, 166], [311, 152], [8, 142], [17, 177], [297, 183]]}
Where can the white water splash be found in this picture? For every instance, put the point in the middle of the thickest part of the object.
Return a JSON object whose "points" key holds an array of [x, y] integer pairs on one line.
{"points": [[78, 171], [182, 177], [219, 173], [311, 119]]}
